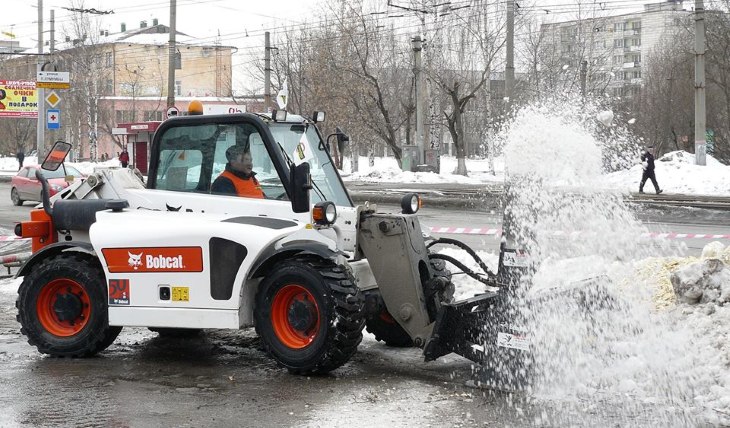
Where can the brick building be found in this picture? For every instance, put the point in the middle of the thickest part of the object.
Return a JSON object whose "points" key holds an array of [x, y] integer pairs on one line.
{"points": [[123, 78]]}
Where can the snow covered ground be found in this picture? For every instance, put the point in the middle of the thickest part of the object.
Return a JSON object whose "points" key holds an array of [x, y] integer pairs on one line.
{"points": [[676, 172]]}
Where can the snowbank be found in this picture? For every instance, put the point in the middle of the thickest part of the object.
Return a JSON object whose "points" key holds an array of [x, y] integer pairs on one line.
{"points": [[676, 172]]}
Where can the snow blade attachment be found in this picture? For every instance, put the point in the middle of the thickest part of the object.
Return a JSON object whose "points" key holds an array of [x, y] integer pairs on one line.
{"points": [[480, 329]]}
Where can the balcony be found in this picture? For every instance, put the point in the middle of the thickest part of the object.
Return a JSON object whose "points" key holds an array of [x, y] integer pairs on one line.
{"points": [[635, 64]]}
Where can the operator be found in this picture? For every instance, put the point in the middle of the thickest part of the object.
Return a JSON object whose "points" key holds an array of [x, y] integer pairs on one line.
{"points": [[238, 178]]}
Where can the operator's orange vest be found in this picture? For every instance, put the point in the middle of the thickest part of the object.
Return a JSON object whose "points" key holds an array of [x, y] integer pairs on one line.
{"points": [[248, 188]]}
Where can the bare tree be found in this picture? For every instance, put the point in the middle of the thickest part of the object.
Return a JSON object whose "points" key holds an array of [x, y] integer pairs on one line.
{"points": [[464, 61]]}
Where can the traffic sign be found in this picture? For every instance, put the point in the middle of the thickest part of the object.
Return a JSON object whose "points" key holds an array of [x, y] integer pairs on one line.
{"points": [[53, 118], [172, 111], [53, 79], [53, 99]]}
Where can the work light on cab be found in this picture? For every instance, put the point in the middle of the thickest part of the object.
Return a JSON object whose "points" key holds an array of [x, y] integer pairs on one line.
{"points": [[411, 203], [318, 116], [324, 213], [278, 115]]}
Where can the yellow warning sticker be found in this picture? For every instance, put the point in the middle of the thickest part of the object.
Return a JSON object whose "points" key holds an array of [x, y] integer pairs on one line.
{"points": [[180, 294]]}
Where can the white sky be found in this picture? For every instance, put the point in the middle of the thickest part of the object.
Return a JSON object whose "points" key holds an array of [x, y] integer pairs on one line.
{"points": [[198, 18]]}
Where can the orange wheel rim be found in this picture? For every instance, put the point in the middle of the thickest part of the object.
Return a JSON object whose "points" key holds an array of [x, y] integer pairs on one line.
{"points": [[295, 316], [63, 307], [386, 317]]}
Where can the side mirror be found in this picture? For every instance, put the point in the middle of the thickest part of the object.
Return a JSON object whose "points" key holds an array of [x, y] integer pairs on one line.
{"points": [[342, 138], [55, 157], [301, 182]]}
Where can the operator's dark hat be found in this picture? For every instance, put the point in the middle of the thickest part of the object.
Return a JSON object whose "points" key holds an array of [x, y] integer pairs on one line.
{"points": [[234, 151]]}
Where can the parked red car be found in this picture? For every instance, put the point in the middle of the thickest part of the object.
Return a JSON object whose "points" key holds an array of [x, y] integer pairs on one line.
{"points": [[25, 187]]}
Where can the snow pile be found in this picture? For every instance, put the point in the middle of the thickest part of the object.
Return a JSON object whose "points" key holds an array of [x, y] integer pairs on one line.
{"points": [[386, 170], [706, 280]]}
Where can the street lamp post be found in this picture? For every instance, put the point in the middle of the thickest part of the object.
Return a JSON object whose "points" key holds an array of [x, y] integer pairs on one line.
{"points": [[417, 45]]}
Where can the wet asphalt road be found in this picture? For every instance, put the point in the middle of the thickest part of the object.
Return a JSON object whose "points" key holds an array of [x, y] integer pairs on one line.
{"points": [[222, 378]]}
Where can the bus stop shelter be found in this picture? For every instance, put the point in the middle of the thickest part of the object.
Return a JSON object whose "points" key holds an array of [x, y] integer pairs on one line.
{"points": [[137, 139]]}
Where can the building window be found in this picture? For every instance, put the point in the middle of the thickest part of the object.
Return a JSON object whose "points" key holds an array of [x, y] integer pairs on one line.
{"points": [[618, 43], [178, 87], [635, 42], [636, 25], [124, 116], [109, 87], [109, 59], [150, 115]]}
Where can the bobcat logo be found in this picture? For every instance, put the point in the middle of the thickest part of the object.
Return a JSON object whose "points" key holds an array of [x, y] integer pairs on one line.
{"points": [[135, 260]]}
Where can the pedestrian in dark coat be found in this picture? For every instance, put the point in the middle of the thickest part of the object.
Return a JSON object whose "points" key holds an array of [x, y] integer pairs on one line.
{"points": [[21, 156], [647, 162]]}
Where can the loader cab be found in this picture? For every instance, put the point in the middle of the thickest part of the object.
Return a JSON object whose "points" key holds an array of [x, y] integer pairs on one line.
{"points": [[189, 153]]}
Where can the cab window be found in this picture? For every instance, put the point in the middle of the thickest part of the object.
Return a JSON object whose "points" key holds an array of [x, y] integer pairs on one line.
{"points": [[193, 156]]}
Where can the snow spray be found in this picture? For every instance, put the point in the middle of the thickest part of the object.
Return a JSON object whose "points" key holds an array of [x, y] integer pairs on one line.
{"points": [[596, 358]]}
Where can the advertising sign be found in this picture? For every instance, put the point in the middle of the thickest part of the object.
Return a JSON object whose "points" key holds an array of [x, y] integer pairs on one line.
{"points": [[18, 98]]}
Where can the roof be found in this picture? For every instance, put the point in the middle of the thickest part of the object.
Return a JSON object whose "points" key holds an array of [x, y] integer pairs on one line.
{"points": [[156, 35]]}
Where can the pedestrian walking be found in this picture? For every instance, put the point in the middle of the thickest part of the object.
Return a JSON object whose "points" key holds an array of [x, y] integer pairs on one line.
{"points": [[20, 155], [647, 163], [124, 158]]}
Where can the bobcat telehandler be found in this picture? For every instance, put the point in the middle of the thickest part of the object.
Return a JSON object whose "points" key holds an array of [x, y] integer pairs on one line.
{"points": [[304, 265]]}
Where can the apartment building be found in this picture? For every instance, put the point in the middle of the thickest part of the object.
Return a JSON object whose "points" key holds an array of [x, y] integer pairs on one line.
{"points": [[612, 50], [122, 77]]}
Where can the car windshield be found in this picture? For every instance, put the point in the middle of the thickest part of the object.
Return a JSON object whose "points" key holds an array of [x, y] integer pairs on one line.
{"points": [[60, 173], [324, 176]]}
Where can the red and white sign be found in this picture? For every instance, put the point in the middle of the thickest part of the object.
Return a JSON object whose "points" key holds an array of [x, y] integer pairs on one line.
{"points": [[154, 259]]}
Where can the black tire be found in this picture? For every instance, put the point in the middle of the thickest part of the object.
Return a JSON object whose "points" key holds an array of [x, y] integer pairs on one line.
{"points": [[309, 315], [176, 332], [380, 323], [62, 307], [15, 197]]}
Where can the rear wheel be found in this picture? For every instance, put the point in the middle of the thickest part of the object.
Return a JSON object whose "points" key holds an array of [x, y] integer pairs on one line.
{"points": [[15, 197], [380, 323], [309, 315], [62, 307]]}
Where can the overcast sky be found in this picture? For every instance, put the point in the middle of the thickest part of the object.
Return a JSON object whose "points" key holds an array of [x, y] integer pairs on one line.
{"points": [[233, 19]]}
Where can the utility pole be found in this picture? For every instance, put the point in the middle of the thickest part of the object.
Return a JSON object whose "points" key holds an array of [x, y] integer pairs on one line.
{"points": [[171, 56], [700, 143], [267, 71], [509, 70], [417, 45], [40, 130]]}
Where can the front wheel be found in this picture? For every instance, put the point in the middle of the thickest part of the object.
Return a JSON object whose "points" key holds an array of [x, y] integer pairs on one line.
{"points": [[309, 315], [15, 197], [62, 307]]}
